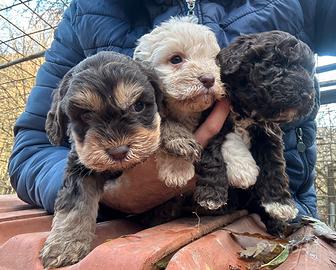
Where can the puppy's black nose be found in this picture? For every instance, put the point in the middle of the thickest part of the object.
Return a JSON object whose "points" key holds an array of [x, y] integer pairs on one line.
{"points": [[118, 153], [208, 80]]}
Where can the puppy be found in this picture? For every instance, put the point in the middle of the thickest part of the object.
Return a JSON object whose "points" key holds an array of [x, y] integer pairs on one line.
{"points": [[269, 78], [107, 106], [183, 53]]}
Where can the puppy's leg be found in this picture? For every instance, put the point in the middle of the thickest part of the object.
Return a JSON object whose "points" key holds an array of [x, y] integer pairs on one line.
{"points": [[177, 140], [179, 150], [272, 185], [211, 190], [273, 226], [242, 170], [174, 171], [74, 222]]}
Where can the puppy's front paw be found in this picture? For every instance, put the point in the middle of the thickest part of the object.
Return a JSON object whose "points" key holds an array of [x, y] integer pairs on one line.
{"points": [[281, 211], [242, 170], [276, 227], [210, 198], [177, 172], [62, 252], [242, 174], [187, 148]]}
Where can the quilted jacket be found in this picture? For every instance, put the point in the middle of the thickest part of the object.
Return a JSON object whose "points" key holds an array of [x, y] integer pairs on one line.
{"points": [[36, 167]]}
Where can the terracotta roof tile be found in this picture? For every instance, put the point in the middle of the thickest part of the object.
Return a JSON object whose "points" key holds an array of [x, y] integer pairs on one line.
{"points": [[184, 244]]}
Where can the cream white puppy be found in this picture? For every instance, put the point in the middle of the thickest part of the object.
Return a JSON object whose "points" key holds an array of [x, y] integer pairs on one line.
{"points": [[183, 53]]}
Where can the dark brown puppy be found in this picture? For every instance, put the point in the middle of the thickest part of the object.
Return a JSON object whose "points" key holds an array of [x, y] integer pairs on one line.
{"points": [[269, 78], [107, 107]]}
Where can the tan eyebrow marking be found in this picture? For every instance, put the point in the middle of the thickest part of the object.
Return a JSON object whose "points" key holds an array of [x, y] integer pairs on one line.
{"points": [[88, 99], [126, 94]]}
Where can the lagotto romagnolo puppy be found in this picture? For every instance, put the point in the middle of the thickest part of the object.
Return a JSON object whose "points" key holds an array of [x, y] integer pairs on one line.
{"points": [[269, 78], [107, 106], [183, 53]]}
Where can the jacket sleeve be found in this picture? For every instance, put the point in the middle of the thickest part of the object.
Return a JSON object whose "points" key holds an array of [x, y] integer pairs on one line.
{"points": [[325, 31], [36, 167]]}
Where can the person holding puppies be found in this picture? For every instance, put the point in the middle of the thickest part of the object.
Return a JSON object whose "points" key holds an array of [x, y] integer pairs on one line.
{"points": [[36, 167]]}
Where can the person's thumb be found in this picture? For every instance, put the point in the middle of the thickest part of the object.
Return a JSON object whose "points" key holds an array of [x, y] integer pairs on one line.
{"points": [[214, 122]]}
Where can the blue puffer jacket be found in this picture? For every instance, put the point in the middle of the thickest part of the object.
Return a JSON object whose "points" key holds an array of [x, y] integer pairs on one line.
{"points": [[36, 167]]}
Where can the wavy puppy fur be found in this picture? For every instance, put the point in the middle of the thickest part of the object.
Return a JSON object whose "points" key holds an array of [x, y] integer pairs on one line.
{"points": [[269, 78], [107, 106], [183, 53]]}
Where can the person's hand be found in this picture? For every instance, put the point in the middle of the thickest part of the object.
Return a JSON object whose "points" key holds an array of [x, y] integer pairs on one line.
{"points": [[213, 124]]}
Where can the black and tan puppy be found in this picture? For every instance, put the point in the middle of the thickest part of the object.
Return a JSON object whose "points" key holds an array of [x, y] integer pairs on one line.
{"points": [[107, 106], [269, 78]]}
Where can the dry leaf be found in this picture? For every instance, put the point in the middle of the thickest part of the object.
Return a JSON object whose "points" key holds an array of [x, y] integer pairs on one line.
{"points": [[294, 244], [257, 235], [269, 253], [263, 251], [254, 266], [277, 260], [321, 230]]}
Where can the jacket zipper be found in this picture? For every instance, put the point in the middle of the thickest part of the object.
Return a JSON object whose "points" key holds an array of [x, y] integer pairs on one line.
{"points": [[188, 7], [301, 147], [191, 7]]}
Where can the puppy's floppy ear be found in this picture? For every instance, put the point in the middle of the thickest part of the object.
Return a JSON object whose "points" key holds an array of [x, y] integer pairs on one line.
{"points": [[154, 81], [230, 58], [57, 121]]}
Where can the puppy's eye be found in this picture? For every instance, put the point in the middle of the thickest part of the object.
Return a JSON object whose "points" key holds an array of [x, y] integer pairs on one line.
{"points": [[138, 106], [86, 116], [176, 59]]}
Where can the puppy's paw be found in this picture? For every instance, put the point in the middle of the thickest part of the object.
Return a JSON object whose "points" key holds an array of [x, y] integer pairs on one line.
{"points": [[281, 211], [242, 170], [242, 175], [61, 252], [176, 173], [210, 198], [276, 227], [187, 148]]}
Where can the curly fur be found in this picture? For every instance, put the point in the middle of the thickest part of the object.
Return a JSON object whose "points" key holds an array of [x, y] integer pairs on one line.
{"points": [[187, 87], [107, 105], [269, 78]]}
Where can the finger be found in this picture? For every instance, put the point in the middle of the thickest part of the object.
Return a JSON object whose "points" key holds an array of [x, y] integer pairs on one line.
{"points": [[213, 123]]}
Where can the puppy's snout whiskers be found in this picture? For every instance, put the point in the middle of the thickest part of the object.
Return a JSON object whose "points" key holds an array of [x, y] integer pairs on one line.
{"points": [[131, 156]]}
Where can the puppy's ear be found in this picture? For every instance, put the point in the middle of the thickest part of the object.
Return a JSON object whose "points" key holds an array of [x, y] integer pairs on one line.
{"points": [[158, 93], [154, 81], [57, 121], [230, 58]]}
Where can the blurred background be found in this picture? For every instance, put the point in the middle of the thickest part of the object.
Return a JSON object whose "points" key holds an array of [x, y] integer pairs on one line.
{"points": [[26, 31]]}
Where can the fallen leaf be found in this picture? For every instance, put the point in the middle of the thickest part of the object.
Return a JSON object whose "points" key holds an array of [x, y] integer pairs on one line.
{"points": [[254, 266], [267, 252], [277, 260], [294, 244], [321, 229], [263, 251], [163, 263], [257, 235]]}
